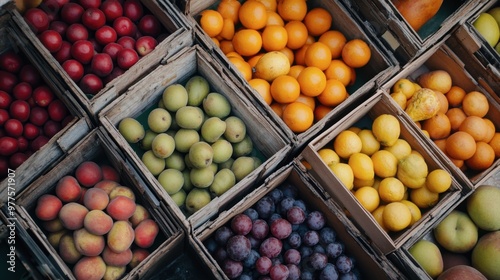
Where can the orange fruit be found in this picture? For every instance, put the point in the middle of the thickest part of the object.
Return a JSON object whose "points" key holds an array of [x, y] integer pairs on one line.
{"points": [[455, 96], [443, 102], [483, 158], [211, 22], [475, 104], [270, 5], [312, 81], [495, 144], [300, 55], [227, 31], [216, 41], [297, 34], [263, 88], [396, 216], [319, 55], [456, 117], [298, 116], [340, 71], [310, 39], [438, 126], [318, 21], [226, 46], [295, 70], [274, 19], [274, 38], [247, 42], [253, 14], [285, 89], [229, 9], [346, 143], [490, 132], [277, 108], [234, 54], [308, 100], [475, 126], [289, 53], [292, 9], [441, 144], [335, 40], [254, 59], [368, 198], [334, 93], [320, 111], [460, 145], [243, 67], [356, 53]]}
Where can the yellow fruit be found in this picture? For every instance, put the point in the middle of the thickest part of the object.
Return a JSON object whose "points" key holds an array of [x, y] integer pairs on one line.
{"points": [[404, 86], [438, 181], [423, 105], [487, 26], [385, 164], [412, 171], [369, 143], [391, 190], [424, 198], [271, 65], [368, 198], [386, 129], [400, 149], [378, 215], [400, 99], [362, 166], [329, 156], [344, 173], [358, 183], [347, 143], [438, 80], [396, 216], [416, 214]]}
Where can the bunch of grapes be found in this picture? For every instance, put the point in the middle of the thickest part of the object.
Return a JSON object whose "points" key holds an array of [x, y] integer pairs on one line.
{"points": [[280, 238]]}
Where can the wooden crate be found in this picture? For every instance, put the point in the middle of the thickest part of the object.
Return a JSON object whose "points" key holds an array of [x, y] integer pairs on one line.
{"points": [[268, 140], [173, 21], [369, 263], [362, 117]]}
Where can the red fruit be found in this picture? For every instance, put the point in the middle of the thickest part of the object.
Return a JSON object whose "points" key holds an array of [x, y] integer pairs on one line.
{"points": [[57, 110], [59, 26], [66, 120], [145, 233], [93, 18], [133, 9], [31, 131], [39, 116], [52, 8], [90, 3], [61, 3], [71, 13], [96, 45], [88, 173], [149, 25], [8, 146], [74, 69], [109, 173], [30, 75], [37, 20], [91, 84], [101, 64], [117, 71], [76, 32], [22, 91], [64, 52], [51, 128], [17, 159], [83, 51], [112, 49], [145, 45], [13, 128], [47, 207], [51, 39], [22, 144], [4, 116], [124, 26], [121, 208], [43, 95], [5, 99], [126, 58], [106, 35], [127, 42], [19, 109], [112, 9], [39, 142], [68, 189], [7, 81], [10, 61]]}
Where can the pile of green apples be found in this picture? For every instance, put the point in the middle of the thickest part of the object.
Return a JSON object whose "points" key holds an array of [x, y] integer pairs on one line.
{"points": [[488, 25], [192, 143], [466, 242]]}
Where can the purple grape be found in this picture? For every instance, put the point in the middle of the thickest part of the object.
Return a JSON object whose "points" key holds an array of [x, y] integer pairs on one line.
{"points": [[232, 269], [292, 256], [327, 235], [286, 204], [334, 249], [279, 272], [241, 224], [305, 252], [211, 245], [318, 261], [265, 207], [220, 255], [277, 260], [294, 240], [276, 194], [281, 228], [238, 247], [222, 235], [302, 230], [254, 242], [245, 276], [260, 229], [289, 190], [294, 272], [307, 274], [344, 264], [349, 276], [273, 218], [252, 213], [329, 273], [270, 247], [311, 238], [249, 261], [315, 220], [301, 204], [263, 265], [264, 278], [318, 248], [296, 215]]}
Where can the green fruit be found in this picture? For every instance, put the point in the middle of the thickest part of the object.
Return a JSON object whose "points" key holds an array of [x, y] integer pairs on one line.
{"points": [[154, 164], [235, 129], [184, 138], [179, 197], [226, 164], [216, 105], [196, 199], [223, 150], [243, 147], [202, 177], [159, 120], [223, 181], [212, 129], [174, 97], [197, 88], [146, 142], [189, 117], [187, 181], [428, 256], [486, 254], [487, 26], [171, 180], [495, 12], [163, 145], [483, 207], [175, 161], [242, 166], [131, 130], [201, 154]]}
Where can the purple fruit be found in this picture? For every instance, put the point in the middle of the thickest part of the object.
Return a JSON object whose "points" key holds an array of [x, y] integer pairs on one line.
{"points": [[260, 229], [311, 238], [315, 220], [295, 215], [241, 224], [271, 247], [232, 269], [292, 256], [329, 273], [281, 228], [222, 235], [238, 247], [318, 261], [279, 272], [263, 265], [344, 264], [265, 207]]}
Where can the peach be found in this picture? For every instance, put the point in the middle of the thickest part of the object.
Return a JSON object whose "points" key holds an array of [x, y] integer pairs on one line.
{"points": [[140, 214], [138, 255], [98, 222], [116, 259], [48, 207], [145, 233], [67, 249], [89, 268], [122, 190], [106, 185], [88, 244], [82, 195], [96, 199], [120, 237], [55, 237], [121, 208], [114, 272], [53, 225], [88, 173], [109, 173], [72, 215], [68, 189]]}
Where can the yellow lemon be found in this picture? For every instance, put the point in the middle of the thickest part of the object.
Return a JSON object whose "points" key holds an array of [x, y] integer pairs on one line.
{"points": [[438, 181], [386, 129], [368, 198], [424, 198], [347, 143], [376, 183], [271, 65], [354, 129], [400, 149], [344, 173], [400, 99], [329, 156], [385, 164], [396, 216], [358, 183], [416, 214], [369, 143], [362, 166], [404, 86], [391, 190], [378, 215], [412, 171]]}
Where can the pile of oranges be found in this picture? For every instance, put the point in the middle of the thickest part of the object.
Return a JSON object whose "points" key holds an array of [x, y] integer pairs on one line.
{"points": [[322, 60]]}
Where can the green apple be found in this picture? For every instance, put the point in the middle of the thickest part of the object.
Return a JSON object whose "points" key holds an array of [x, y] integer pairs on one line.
{"points": [[484, 208], [456, 232], [460, 272], [196, 199], [486, 255], [428, 256], [487, 26]]}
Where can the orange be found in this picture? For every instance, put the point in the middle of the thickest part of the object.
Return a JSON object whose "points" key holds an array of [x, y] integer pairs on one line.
{"points": [[211, 22], [310, 39], [483, 158], [334, 93], [312, 81], [475, 104], [285, 89], [460, 145], [263, 88], [495, 144], [243, 67], [455, 96], [216, 41], [292, 9], [274, 19], [353, 77], [335, 40], [456, 117], [319, 55], [270, 5], [443, 102], [289, 53], [277, 108], [368, 198], [247, 42], [441, 144], [253, 14], [308, 100], [340, 71], [438, 126], [490, 132], [318, 21], [321, 111], [234, 54], [229, 9], [300, 55], [298, 116], [254, 59], [274, 38], [297, 34], [226, 46], [227, 31], [475, 126], [438, 180], [356, 53], [295, 70]]}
